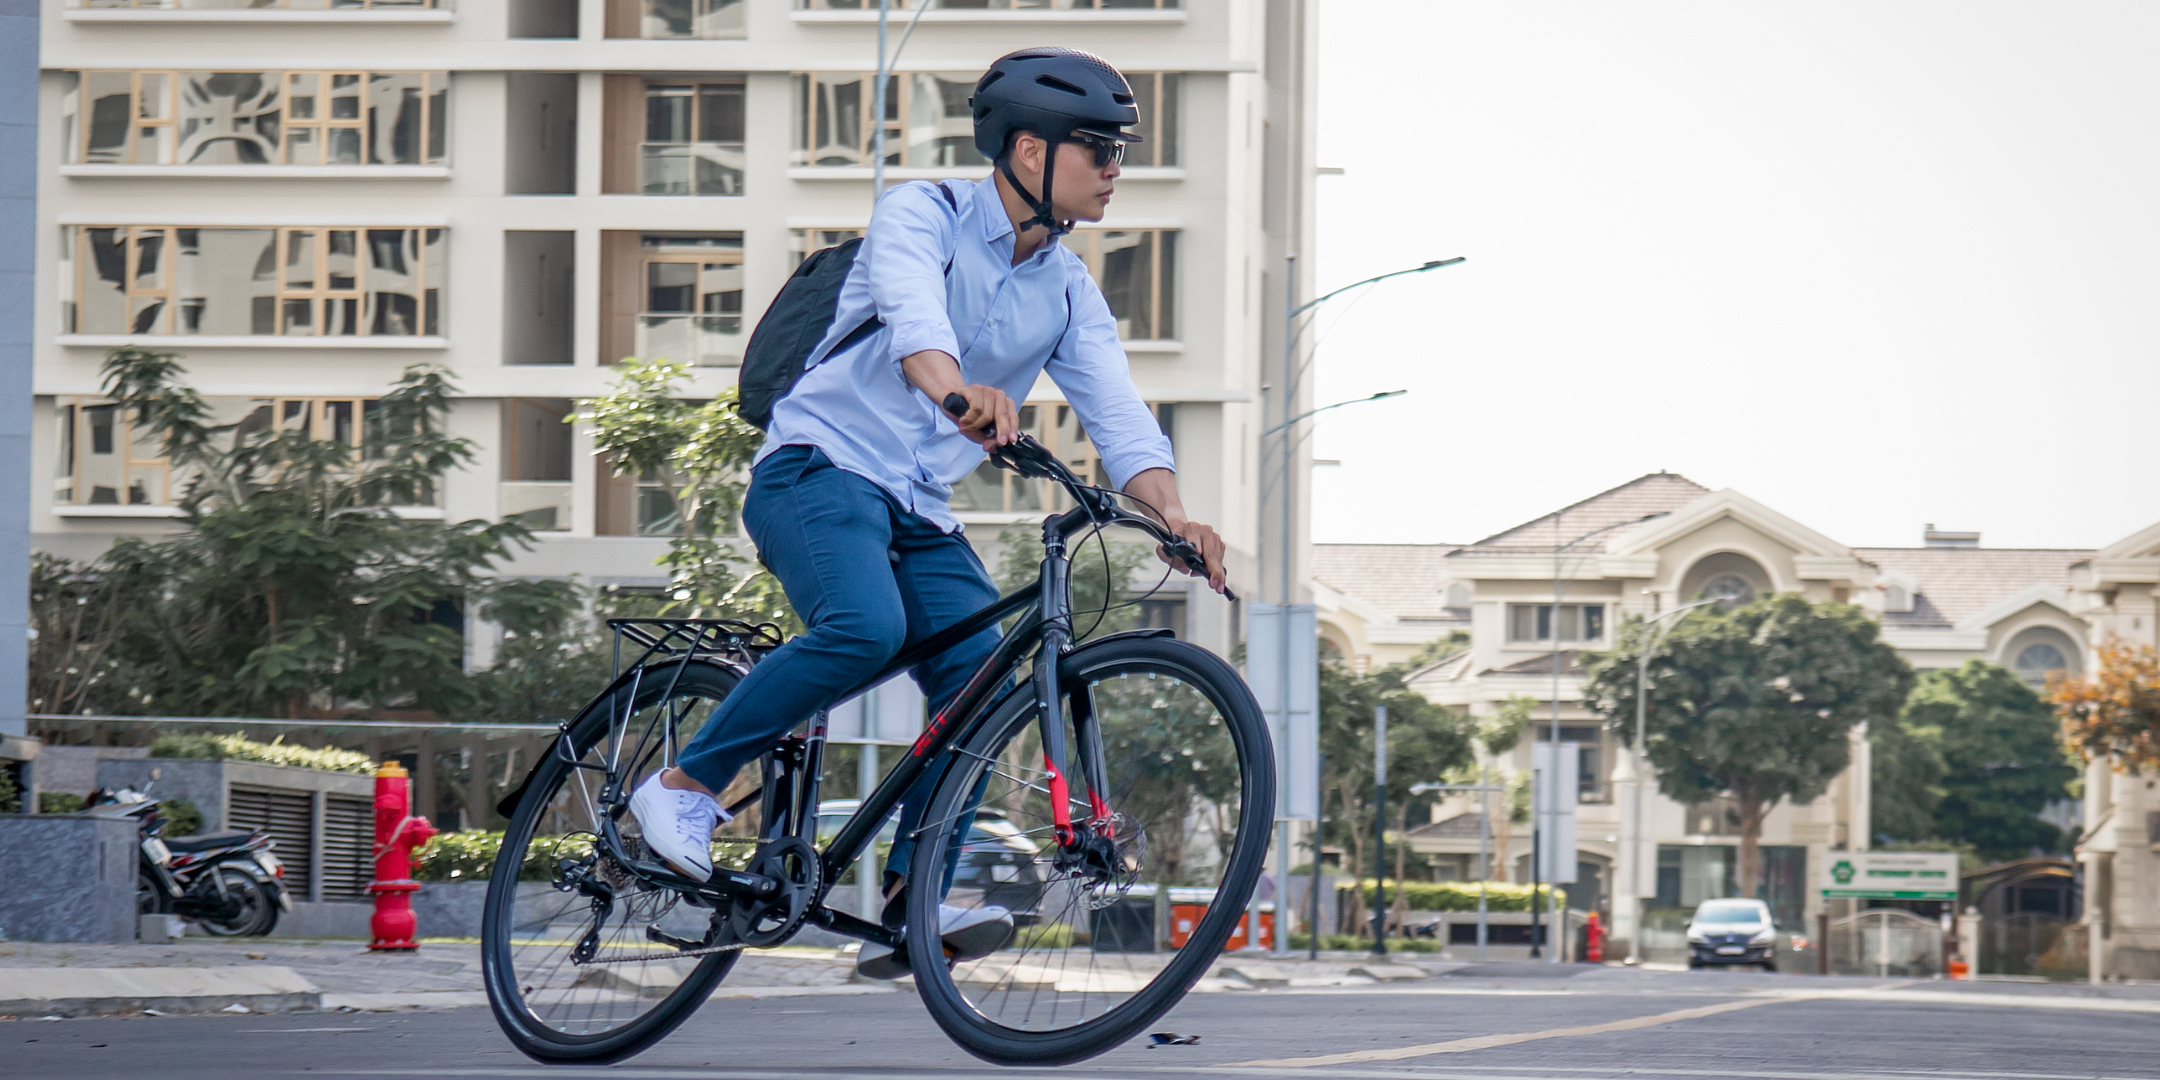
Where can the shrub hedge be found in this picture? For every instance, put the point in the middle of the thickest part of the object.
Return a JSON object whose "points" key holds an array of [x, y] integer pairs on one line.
{"points": [[1458, 895], [275, 752], [470, 856]]}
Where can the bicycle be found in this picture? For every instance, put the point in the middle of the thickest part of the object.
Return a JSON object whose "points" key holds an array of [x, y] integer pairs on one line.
{"points": [[1170, 810]]}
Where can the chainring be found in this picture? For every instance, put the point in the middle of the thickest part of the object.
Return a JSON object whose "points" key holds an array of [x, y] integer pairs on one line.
{"points": [[768, 921]]}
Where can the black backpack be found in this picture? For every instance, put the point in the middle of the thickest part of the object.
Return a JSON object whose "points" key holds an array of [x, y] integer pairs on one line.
{"points": [[798, 319]]}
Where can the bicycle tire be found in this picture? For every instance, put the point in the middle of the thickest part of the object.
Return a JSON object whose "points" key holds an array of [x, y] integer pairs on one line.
{"points": [[536, 1035], [1007, 1026]]}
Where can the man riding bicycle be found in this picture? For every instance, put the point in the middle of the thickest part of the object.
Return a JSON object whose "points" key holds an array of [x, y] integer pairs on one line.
{"points": [[848, 499]]}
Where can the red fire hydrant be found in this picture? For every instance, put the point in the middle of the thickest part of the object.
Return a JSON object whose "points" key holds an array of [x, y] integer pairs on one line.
{"points": [[1593, 940], [397, 835]]}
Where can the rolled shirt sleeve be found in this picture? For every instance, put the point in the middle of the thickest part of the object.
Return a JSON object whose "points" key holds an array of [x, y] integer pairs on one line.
{"points": [[1090, 366]]}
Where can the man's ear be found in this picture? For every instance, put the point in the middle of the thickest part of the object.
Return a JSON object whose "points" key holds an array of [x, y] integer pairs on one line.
{"points": [[1027, 152]]}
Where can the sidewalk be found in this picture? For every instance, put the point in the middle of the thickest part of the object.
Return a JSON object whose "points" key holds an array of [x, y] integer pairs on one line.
{"points": [[285, 975]]}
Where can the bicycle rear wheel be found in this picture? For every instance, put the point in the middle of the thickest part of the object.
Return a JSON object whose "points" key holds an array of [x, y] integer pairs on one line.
{"points": [[570, 979], [1190, 783]]}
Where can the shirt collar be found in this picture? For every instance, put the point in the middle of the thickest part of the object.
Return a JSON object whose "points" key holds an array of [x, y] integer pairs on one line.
{"points": [[996, 226]]}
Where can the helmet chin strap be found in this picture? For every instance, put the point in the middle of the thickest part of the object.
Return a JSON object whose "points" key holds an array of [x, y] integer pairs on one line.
{"points": [[1045, 216]]}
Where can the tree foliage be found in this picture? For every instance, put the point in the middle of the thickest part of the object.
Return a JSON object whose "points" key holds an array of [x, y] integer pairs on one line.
{"points": [[1757, 700], [292, 586], [1098, 607], [1426, 743], [699, 452], [2115, 713], [1990, 743]]}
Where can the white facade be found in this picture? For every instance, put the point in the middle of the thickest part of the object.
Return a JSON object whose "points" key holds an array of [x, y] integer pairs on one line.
{"points": [[1661, 540], [488, 169]]}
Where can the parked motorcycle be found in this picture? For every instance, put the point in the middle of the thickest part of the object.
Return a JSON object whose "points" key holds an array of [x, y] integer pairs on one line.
{"points": [[228, 883]]}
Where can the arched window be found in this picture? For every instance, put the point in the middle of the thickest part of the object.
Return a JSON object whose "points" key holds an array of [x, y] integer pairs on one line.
{"points": [[2037, 651], [1725, 574], [2035, 661], [1734, 588]]}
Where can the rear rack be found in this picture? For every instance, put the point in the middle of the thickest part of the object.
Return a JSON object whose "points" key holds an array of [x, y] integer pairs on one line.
{"points": [[684, 639]]}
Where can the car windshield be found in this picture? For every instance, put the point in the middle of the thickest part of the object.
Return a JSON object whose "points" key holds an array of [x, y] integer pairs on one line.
{"points": [[1728, 913]]}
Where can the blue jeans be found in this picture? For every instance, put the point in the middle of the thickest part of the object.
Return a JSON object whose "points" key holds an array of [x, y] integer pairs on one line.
{"points": [[869, 579]]}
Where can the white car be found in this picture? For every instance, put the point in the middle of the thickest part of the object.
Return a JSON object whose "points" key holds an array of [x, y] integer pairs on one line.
{"points": [[1732, 931]]}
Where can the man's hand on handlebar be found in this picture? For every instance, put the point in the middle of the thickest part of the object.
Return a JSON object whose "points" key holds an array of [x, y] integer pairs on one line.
{"points": [[990, 420], [1210, 545]]}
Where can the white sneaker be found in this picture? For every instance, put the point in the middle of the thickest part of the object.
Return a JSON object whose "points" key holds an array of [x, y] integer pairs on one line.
{"points": [[678, 825], [969, 934]]}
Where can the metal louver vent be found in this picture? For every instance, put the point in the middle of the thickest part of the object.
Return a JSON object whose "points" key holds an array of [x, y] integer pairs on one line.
{"points": [[288, 816], [348, 839]]}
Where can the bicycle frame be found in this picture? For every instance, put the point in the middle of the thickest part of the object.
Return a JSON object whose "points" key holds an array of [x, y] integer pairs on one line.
{"points": [[789, 794]]}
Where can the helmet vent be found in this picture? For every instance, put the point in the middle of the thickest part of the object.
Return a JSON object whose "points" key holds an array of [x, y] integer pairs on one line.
{"points": [[1121, 99], [992, 77], [1055, 83]]}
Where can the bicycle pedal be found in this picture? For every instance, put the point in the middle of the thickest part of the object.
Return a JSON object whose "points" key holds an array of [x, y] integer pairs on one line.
{"points": [[654, 933]]}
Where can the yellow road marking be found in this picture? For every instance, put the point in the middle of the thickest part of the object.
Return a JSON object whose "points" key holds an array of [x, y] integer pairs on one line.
{"points": [[1486, 1042]]}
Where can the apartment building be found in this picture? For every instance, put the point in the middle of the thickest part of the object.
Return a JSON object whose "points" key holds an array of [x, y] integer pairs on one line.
{"points": [[304, 197], [1562, 583]]}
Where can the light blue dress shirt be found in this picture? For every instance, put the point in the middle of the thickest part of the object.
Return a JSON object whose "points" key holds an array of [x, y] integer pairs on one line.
{"points": [[1006, 325]]}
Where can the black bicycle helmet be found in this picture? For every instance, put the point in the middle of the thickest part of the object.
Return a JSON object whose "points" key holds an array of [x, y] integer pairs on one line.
{"points": [[1056, 94]]}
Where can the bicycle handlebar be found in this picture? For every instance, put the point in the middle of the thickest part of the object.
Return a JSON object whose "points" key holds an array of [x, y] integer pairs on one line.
{"points": [[1032, 459]]}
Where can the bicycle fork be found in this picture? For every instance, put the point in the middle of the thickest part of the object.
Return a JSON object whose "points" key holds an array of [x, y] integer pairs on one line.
{"points": [[1056, 635]]}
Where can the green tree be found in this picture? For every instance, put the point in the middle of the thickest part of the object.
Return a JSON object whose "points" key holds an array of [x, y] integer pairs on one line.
{"points": [[699, 452], [1905, 781], [292, 586], [1758, 700], [1426, 742], [2002, 763]]}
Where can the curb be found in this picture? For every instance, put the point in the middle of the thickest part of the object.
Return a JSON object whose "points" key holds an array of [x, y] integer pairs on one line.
{"points": [[190, 991]]}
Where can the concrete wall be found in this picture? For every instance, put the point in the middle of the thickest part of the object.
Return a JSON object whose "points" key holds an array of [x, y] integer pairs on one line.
{"points": [[205, 783], [67, 878]]}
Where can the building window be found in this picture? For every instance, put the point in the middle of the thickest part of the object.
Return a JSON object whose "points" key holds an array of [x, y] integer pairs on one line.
{"points": [[989, 5], [802, 243], [992, 490], [256, 117], [1579, 623], [640, 505], [2040, 651], [536, 456], [282, 5], [693, 299], [693, 139], [1137, 270], [1155, 94], [102, 461], [286, 282], [927, 122], [1590, 757], [676, 19]]}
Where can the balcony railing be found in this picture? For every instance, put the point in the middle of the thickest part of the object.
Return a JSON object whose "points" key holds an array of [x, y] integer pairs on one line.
{"points": [[691, 168], [543, 505], [697, 340]]}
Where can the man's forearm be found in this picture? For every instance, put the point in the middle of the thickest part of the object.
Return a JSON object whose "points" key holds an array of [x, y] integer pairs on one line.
{"points": [[1157, 488]]}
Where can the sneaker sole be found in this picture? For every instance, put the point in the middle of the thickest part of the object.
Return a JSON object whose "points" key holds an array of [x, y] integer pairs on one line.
{"points": [[980, 940]]}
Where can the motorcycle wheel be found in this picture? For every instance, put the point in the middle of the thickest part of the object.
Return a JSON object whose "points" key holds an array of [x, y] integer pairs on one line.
{"points": [[270, 911], [150, 897], [256, 904]]}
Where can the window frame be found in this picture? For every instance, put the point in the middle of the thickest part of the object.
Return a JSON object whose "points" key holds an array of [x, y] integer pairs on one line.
{"points": [[77, 262], [1540, 618], [998, 5], [1163, 292], [696, 92], [433, 85], [281, 5], [71, 415]]}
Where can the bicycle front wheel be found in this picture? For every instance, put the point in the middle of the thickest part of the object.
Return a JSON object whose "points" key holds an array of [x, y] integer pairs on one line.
{"points": [[1097, 955], [572, 978]]}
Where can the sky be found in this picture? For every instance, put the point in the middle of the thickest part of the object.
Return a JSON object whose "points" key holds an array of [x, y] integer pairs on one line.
{"points": [[1875, 265]]}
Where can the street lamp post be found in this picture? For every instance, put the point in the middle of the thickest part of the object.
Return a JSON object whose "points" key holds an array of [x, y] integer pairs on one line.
{"points": [[1287, 394], [1551, 785], [1657, 626]]}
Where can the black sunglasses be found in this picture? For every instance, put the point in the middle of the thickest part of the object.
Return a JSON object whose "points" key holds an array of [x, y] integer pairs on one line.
{"points": [[1106, 150]]}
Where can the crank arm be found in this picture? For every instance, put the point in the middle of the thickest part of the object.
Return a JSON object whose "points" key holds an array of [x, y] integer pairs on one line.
{"points": [[725, 884], [846, 925]]}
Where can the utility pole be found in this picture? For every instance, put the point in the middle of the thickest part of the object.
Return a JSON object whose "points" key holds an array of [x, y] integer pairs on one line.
{"points": [[1379, 905], [1312, 881]]}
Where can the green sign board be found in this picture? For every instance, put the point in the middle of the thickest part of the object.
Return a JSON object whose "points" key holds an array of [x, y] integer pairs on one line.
{"points": [[1890, 875]]}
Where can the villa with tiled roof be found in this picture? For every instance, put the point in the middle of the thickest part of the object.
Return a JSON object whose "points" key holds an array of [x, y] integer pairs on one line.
{"points": [[1559, 586]]}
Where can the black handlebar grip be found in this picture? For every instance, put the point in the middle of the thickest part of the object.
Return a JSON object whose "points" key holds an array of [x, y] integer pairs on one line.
{"points": [[956, 405]]}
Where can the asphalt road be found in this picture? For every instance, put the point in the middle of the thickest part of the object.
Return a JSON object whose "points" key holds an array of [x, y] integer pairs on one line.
{"points": [[1509, 1026]]}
